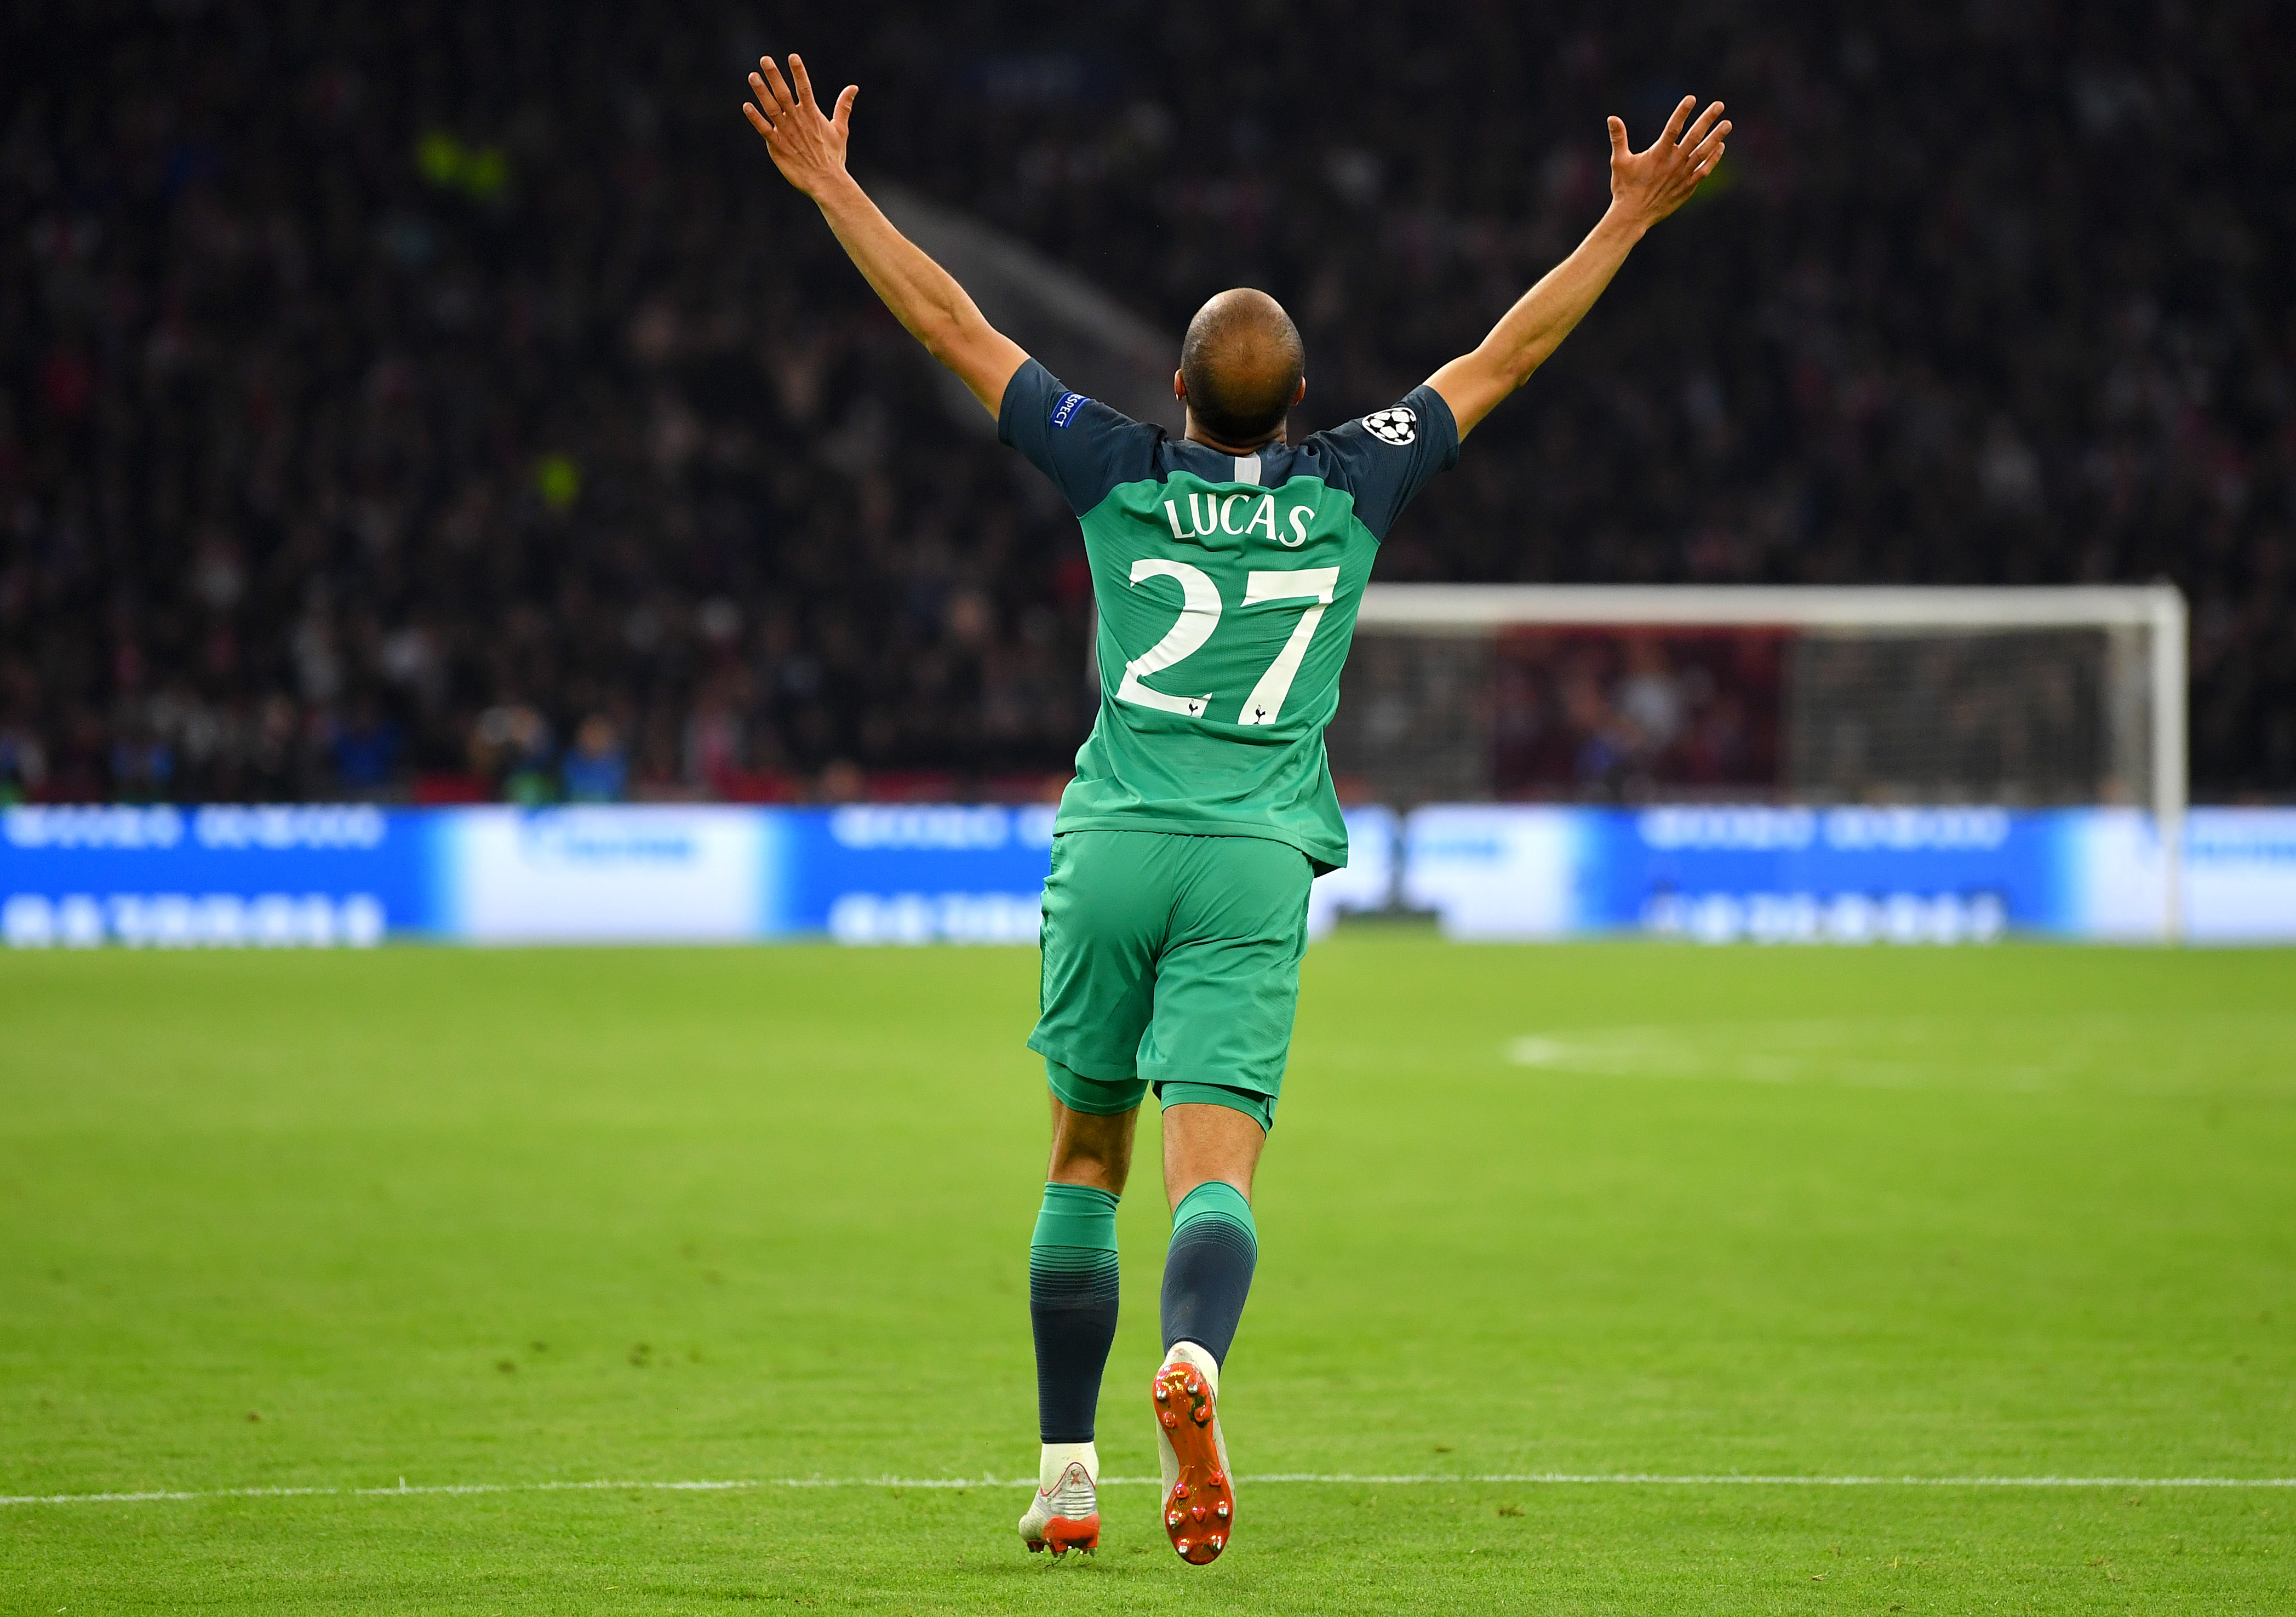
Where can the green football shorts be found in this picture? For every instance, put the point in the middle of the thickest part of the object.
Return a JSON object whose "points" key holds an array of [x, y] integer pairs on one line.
{"points": [[1171, 961]]}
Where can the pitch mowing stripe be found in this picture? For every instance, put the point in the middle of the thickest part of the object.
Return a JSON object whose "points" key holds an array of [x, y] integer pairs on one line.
{"points": [[1398, 1480]]}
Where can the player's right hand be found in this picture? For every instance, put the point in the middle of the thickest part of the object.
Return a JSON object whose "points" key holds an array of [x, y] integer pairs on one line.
{"points": [[806, 147]]}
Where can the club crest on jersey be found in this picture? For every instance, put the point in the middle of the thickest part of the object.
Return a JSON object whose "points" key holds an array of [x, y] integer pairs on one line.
{"points": [[1064, 412], [1395, 426]]}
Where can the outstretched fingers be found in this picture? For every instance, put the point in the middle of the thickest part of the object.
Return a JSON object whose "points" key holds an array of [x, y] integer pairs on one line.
{"points": [[1708, 150], [1681, 117], [1699, 131], [785, 102], [846, 97], [803, 80], [770, 106]]}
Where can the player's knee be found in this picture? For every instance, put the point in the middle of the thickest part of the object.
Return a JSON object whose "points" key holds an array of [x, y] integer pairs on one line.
{"points": [[1211, 1142], [1090, 1148]]}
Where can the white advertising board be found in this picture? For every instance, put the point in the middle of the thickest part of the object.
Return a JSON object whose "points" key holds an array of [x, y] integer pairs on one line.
{"points": [[601, 875]]}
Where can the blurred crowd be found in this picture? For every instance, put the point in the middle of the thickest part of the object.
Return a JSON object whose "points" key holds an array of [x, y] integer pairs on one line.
{"points": [[448, 402], [1581, 712]]}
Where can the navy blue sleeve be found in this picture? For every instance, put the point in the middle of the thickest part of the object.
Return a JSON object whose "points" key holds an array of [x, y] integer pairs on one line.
{"points": [[1390, 455], [1085, 447]]}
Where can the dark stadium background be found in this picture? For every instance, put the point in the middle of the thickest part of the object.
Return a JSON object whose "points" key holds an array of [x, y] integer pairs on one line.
{"points": [[443, 401]]}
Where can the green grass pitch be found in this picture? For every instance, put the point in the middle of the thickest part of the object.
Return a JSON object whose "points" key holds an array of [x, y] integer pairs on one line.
{"points": [[329, 1222]]}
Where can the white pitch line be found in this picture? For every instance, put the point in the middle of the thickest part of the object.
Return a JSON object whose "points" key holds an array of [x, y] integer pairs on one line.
{"points": [[1741, 1478], [1399, 1480]]}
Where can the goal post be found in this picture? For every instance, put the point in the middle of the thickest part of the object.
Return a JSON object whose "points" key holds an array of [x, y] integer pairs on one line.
{"points": [[1808, 695]]}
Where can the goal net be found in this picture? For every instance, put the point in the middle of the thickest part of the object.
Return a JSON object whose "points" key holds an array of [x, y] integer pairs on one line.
{"points": [[2010, 698]]}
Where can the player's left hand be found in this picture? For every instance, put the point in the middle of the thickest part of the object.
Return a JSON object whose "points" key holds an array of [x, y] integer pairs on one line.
{"points": [[808, 147], [1650, 185]]}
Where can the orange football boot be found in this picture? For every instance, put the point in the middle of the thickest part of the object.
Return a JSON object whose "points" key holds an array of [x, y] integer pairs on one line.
{"points": [[1200, 1509], [1066, 1516]]}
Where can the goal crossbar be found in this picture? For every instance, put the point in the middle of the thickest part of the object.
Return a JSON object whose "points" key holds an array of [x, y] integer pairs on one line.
{"points": [[1475, 608], [1469, 610]]}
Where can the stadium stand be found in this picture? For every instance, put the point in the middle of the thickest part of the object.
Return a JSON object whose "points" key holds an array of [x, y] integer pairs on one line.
{"points": [[445, 402]]}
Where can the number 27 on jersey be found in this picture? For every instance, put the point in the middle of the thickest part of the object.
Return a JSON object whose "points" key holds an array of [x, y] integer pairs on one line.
{"points": [[1200, 615]]}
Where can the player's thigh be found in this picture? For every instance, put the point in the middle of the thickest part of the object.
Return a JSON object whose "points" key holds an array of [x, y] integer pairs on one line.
{"points": [[1228, 981], [1107, 901]]}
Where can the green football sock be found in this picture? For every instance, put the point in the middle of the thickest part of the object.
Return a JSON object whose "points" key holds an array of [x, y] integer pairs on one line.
{"points": [[1072, 1295], [1208, 1268]]}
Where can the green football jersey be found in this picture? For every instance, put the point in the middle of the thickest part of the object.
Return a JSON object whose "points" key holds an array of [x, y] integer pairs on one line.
{"points": [[1227, 588]]}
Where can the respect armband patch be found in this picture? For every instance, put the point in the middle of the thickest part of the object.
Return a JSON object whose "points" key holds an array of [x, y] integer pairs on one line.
{"points": [[1064, 412]]}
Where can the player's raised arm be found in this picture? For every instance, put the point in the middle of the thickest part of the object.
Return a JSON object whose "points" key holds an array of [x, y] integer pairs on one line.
{"points": [[809, 147], [1646, 187]]}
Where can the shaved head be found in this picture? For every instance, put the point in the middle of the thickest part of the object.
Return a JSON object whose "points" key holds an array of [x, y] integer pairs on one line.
{"points": [[1241, 364]]}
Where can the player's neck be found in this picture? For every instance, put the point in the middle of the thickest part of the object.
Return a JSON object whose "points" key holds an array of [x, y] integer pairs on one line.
{"points": [[1197, 435]]}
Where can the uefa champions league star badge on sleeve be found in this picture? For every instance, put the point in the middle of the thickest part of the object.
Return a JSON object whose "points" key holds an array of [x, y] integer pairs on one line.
{"points": [[1395, 426]]}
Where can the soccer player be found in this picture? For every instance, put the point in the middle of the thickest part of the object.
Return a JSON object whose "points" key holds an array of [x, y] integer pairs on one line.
{"points": [[1228, 566]]}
